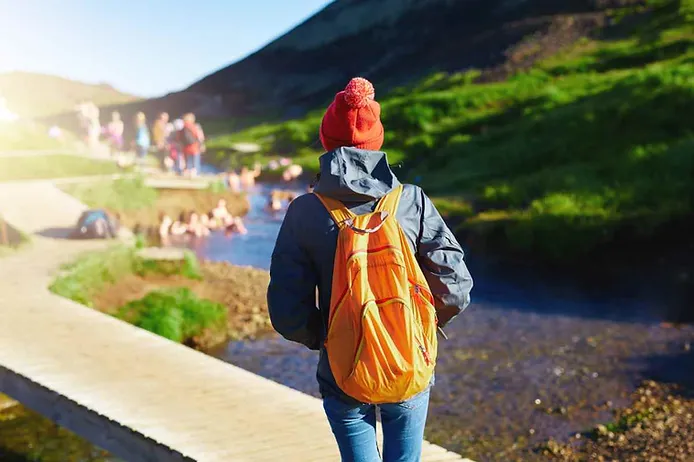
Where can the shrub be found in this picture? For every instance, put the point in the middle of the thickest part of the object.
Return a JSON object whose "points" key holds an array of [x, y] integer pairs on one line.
{"points": [[176, 314], [188, 267]]}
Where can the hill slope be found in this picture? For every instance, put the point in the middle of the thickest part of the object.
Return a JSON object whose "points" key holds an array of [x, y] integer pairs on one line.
{"points": [[393, 42], [589, 147], [39, 95]]}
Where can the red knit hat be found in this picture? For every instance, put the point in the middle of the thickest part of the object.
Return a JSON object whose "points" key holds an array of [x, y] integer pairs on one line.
{"points": [[353, 118]]}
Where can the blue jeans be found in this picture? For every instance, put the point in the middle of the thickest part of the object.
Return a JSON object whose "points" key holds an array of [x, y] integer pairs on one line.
{"points": [[193, 162], [354, 427]]}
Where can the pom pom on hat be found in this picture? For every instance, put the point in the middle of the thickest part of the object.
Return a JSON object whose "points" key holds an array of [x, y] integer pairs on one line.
{"points": [[359, 92], [353, 118]]}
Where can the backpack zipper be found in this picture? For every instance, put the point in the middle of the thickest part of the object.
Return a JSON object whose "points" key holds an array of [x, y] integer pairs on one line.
{"points": [[418, 290], [425, 353], [422, 348]]}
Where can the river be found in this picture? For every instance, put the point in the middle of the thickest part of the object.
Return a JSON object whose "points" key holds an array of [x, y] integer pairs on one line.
{"points": [[527, 361]]}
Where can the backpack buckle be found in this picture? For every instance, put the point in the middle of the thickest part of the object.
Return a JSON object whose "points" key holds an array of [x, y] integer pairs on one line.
{"points": [[382, 216]]}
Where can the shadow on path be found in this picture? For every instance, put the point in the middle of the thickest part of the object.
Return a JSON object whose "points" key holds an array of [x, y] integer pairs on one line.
{"points": [[56, 233]]}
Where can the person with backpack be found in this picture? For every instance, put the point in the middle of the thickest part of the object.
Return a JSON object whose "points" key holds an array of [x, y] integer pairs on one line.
{"points": [[190, 141], [389, 274]]}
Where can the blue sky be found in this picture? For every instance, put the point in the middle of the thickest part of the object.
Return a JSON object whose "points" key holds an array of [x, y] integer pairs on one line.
{"points": [[144, 47]]}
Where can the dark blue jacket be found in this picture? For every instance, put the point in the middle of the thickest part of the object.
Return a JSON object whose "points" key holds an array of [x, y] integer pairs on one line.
{"points": [[303, 257]]}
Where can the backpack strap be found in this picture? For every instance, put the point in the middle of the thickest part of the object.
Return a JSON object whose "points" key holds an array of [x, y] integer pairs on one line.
{"points": [[389, 203], [339, 213]]}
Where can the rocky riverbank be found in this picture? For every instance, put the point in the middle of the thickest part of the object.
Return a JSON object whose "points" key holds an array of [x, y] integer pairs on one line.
{"points": [[658, 426]]}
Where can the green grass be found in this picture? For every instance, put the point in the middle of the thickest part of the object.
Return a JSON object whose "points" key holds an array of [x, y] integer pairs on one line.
{"points": [[19, 135], [33, 95], [120, 195], [88, 275], [176, 314], [189, 267], [557, 160], [52, 166]]}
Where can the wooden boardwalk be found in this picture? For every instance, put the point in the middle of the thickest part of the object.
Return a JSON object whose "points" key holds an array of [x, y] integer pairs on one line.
{"points": [[133, 393]]}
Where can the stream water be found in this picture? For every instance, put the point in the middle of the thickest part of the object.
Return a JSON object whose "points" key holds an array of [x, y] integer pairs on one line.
{"points": [[253, 249], [529, 359]]}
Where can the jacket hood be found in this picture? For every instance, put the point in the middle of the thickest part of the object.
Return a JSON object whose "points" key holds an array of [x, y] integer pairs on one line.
{"points": [[353, 175]]}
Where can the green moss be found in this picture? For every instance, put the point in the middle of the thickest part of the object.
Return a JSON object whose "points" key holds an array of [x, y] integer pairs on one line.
{"points": [[622, 425], [188, 267], [21, 135], [91, 272], [176, 314], [27, 436], [119, 195]]}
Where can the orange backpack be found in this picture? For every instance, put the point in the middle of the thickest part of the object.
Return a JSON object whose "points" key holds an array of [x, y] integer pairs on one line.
{"points": [[381, 340]]}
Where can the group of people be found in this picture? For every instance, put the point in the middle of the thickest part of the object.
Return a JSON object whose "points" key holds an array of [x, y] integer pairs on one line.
{"points": [[192, 223], [179, 144], [244, 180]]}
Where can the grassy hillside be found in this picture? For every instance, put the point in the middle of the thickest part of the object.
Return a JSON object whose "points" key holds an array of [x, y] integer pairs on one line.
{"points": [[26, 135], [37, 95], [586, 145], [395, 42]]}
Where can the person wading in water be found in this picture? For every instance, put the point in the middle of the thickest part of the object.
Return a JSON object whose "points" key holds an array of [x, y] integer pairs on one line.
{"points": [[389, 273]]}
